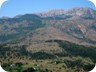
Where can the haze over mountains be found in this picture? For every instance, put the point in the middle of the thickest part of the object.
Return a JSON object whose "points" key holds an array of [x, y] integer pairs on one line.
{"points": [[76, 25], [67, 37], [82, 12]]}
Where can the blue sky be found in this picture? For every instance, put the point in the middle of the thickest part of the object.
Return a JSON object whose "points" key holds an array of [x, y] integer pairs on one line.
{"points": [[15, 7]]}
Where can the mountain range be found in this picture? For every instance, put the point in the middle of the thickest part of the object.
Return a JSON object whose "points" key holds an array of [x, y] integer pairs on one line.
{"points": [[77, 25], [62, 39]]}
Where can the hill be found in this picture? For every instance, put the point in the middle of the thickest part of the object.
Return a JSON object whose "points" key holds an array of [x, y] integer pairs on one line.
{"points": [[66, 37]]}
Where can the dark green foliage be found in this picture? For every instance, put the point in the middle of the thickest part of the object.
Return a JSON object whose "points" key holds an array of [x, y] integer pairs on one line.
{"points": [[41, 55], [29, 70], [77, 50], [4, 51], [79, 63], [5, 65], [8, 37], [22, 52], [89, 67], [19, 64], [63, 54]]}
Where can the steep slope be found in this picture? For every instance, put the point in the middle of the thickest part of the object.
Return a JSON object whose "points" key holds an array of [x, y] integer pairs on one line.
{"points": [[76, 25], [58, 38], [82, 12], [18, 27]]}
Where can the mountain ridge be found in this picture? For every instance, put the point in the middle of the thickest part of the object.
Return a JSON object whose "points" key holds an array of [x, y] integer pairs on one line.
{"points": [[75, 23], [72, 11]]}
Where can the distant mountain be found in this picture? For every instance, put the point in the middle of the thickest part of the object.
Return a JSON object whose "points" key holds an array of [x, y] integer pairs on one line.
{"points": [[76, 25], [82, 12], [62, 39], [51, 13]]}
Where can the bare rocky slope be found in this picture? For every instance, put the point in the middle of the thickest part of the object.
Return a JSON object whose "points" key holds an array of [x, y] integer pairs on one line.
{"points": [[76, 25], [54, 34]]}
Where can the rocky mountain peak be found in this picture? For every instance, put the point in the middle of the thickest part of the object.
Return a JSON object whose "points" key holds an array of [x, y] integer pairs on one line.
{"points": [[51, 13], [82, 12]]}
